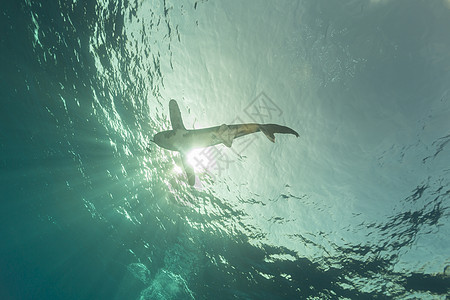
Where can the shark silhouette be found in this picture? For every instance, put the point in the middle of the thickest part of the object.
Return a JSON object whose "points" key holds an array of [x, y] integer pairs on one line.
{"points": [[183, 140]]}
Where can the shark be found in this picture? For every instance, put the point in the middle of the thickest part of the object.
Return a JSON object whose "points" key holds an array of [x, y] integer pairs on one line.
{"points": [[184, 140]]}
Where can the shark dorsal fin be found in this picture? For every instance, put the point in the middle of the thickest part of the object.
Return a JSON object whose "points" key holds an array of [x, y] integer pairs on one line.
{"points": [[175, 116]]}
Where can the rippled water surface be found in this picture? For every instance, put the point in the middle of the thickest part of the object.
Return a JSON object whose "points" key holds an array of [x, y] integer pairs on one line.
{"points": [[356, 208]]}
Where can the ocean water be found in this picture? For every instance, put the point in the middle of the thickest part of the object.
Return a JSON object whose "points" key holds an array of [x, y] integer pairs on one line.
{"points": [[357, 207]]}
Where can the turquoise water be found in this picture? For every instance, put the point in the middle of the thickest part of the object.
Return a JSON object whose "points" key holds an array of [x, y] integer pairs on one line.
{"points": [[356, 208]]}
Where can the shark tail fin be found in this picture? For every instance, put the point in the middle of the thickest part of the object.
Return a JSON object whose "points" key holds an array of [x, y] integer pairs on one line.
{"points": [[270, 129]]}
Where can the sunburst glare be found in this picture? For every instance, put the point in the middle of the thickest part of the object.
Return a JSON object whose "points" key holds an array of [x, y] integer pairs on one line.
{"points": [[200, 161]]}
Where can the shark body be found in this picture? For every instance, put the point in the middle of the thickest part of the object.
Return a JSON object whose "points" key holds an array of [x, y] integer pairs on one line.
{"points": [[183, 140]]}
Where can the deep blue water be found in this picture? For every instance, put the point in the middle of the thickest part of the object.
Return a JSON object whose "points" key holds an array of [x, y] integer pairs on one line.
{"points": [[356, 208]]}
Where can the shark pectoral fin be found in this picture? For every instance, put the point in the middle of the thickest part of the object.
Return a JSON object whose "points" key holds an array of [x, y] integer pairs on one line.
{"points": [[226, 136], [175, 116], [190, 174]]}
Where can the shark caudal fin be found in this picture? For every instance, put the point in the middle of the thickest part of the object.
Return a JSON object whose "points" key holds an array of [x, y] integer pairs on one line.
{"points": [[175, 116], [270, 129]]}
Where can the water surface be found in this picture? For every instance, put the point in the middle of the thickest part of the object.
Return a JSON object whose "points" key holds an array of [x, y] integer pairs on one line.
{"points": [[357, 207]]}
